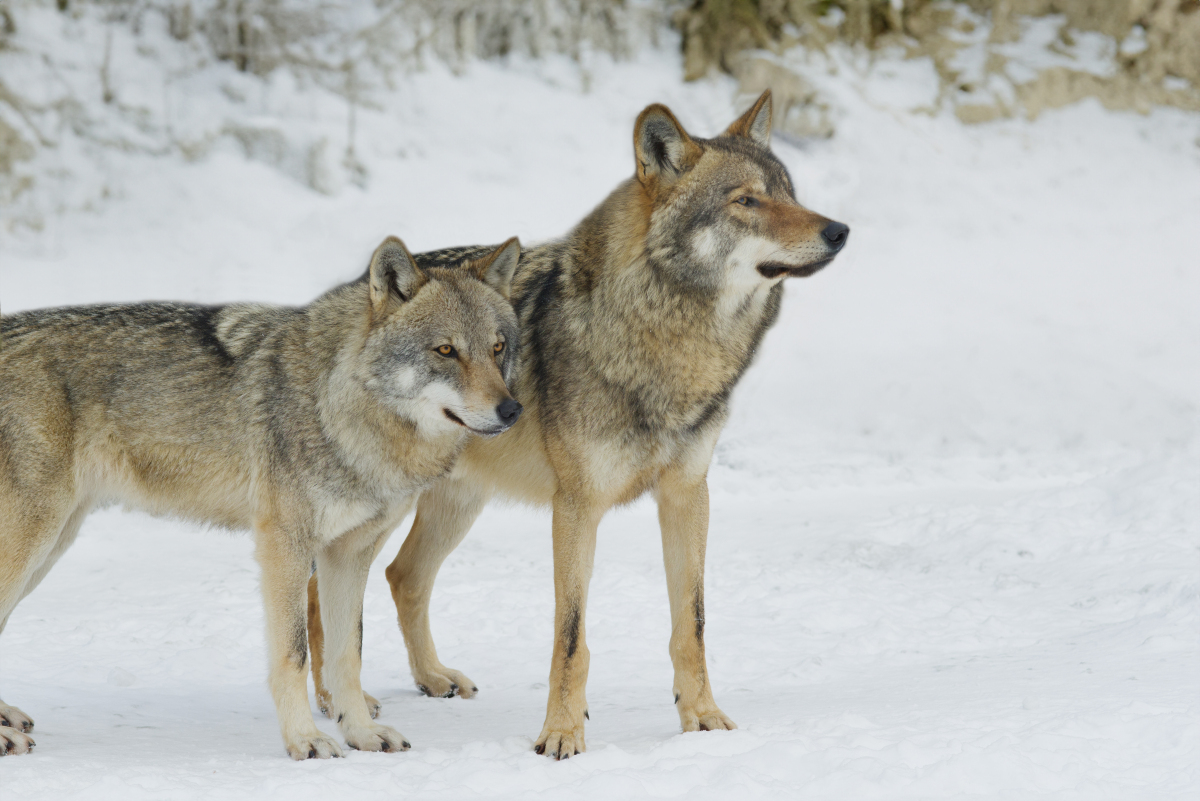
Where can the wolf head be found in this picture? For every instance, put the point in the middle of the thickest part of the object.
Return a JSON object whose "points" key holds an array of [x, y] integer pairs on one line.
{"points": [[724, 217], [443, 342]]}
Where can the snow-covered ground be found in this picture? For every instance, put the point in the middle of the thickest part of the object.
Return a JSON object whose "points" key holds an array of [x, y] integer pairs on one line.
{"points": [[955, 541]]}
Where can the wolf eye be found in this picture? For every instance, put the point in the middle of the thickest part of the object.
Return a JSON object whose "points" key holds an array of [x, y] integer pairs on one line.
{"points": [[498, 348], [746, 200], [446, 350]]}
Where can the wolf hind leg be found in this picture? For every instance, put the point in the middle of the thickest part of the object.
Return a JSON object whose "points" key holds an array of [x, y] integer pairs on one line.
{"points": [[444, 516], [15, 725], [66, 538], [32, 538]]}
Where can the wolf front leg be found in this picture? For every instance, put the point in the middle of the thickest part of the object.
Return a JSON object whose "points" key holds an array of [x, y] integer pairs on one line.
{"points": [[342, 567], [575, 520], [683, 517], [286, 565], [316, 655], [445, 513]]}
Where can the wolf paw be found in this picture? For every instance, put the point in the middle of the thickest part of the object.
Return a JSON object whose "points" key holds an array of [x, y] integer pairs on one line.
{"points": [[560, 744], [325, 704], [376, 737], [446, 683], [313, 746], [14, 718], [13, 741], [711, 719]]}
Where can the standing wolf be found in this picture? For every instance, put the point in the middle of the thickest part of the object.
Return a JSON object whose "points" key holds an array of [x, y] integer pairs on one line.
{"points": [[635, 329], [315, 426]]}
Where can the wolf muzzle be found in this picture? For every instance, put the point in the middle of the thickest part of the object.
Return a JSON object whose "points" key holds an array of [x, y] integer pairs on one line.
{"points": [[835, 236]]}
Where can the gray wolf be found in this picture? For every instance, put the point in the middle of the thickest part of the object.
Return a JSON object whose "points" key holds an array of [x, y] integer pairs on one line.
{"points": [[316, 427], [635, 329]]}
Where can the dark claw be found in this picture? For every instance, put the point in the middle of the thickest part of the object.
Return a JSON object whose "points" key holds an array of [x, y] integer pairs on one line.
{"points": [[565, 756], [676, 698], [312, 753], [554, 754], [424, 689], [586, 715], [341, 716], [474, 689], [703, 727], [386, 746], [540, 748], [407, 745]]}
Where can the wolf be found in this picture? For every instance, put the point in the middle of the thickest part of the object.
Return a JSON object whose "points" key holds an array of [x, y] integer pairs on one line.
{"points": [[316, 427], [635, 329]]}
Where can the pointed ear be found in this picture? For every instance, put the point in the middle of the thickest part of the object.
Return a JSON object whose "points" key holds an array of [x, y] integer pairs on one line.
{"points": [[663, 149], [393, 275], [755, 123], [496, 269]]}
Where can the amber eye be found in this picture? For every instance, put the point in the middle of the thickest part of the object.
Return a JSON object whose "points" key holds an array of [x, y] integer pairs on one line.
{"points": [[498, 348], [746, 200], [446, 350]]}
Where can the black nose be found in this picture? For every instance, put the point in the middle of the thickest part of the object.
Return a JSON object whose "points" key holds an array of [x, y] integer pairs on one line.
{"points": [[508, 411], [836, 234]]}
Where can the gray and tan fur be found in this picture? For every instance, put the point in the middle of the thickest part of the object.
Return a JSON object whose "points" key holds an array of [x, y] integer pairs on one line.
{"points": [[635, 329], [316, 427]]}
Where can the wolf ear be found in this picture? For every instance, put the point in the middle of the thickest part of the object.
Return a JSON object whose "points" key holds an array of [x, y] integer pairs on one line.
{"points": [[755, 123], [663, 149], [393, 274], [496, 269]]}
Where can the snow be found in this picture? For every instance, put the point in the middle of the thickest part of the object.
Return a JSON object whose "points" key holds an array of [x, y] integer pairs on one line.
{"points": [[955, 539]]}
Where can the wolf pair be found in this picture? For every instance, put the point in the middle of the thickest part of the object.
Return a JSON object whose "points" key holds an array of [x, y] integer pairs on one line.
{"points": [[624, 341]]}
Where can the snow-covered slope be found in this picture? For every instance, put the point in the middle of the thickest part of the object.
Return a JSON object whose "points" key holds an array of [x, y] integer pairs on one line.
{"points": [[955, 543]]}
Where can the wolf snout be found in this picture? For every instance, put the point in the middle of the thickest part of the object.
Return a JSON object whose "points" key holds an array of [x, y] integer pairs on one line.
{"points": [[508, 411], [835, 235]]}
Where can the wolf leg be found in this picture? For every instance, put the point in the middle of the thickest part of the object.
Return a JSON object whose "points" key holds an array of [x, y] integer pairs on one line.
{"points": [[683, 517], [444, 516], [575, 522], [15, 725], [343, 567], [286, 567], [32, 538], [316, 652]]}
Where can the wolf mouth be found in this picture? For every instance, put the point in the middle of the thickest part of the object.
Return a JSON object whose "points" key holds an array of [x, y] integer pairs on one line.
{"points": [[774, 269], [489, 433]]}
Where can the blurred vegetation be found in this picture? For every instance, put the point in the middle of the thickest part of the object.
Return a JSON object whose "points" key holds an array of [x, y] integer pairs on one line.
{"points": [[1154, 55], [715, 32], [355, 47]]}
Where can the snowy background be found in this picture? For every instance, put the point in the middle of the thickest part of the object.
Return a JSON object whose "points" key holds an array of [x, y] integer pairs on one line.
{"points": [[955, 541]]}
